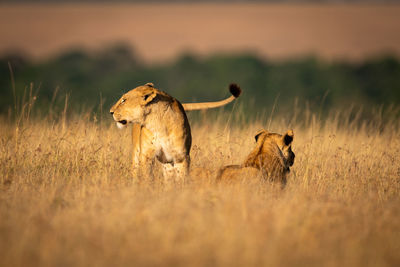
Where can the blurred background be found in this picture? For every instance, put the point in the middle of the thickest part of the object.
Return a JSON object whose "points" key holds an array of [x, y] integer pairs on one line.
{"points": [[286, 55]]}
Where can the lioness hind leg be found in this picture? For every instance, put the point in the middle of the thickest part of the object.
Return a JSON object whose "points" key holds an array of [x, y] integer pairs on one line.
{"points": [[176, 173]]}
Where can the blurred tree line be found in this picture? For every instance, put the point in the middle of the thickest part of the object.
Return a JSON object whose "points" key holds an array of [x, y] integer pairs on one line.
{"points": [[95, 80]]}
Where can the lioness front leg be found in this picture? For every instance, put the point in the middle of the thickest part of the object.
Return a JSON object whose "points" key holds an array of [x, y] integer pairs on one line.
{"points": [[136, 132], [146, 167], [143, 152]]}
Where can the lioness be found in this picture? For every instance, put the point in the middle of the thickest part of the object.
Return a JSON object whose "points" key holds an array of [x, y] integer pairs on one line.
{"points": [[160, 128], [271, 158]]}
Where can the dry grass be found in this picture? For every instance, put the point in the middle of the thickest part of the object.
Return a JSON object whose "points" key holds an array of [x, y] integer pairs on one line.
{"points": [[67, 199]]}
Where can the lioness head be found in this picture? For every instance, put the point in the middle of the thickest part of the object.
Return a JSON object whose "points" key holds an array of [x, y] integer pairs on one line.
{"points": [[132, 106], [284, 142]]}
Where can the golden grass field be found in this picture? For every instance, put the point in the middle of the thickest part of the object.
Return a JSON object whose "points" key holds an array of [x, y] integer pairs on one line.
{"points": [[67, 197]]}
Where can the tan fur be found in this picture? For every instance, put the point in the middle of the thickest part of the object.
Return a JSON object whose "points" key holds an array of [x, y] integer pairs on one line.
{"points": [[160, 130], [271, 159], [208, 105]]}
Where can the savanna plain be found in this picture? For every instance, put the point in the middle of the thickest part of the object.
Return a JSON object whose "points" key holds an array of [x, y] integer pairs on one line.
{"points": [[67, 197]]}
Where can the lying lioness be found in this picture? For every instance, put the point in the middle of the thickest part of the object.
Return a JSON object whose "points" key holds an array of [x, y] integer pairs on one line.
{"points": [[270, 159]]}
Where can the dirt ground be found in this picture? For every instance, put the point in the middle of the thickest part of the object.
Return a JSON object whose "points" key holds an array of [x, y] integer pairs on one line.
{"points": [[161, 32]]}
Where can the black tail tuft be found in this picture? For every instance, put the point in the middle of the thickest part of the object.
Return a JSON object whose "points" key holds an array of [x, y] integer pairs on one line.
{"points": [[235, 89]]}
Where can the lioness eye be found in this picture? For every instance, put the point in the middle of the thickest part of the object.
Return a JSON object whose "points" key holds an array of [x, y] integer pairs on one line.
{"points": [[123, 100]]}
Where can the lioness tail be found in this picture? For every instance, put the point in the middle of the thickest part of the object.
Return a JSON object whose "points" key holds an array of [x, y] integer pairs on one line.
{"points": [[233, 88]]}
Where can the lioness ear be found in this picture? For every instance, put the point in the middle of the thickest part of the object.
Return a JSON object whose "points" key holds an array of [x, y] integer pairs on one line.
{"points": [[288, 137], [258, 134], [149, 97]]}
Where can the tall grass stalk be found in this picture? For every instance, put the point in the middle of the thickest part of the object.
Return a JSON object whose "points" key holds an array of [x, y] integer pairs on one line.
{"points": [[67, 197]]}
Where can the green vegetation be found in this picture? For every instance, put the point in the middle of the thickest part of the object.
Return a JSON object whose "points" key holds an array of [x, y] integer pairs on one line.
{"points": [[91, 79]]}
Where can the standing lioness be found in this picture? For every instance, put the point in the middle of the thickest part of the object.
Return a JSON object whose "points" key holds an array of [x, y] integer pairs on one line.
{"points": [[160, 128], [271, 159]]}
